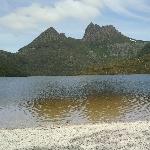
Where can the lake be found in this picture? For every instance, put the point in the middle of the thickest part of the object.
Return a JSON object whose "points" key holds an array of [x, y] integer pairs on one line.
{"points": [[34, 101]]}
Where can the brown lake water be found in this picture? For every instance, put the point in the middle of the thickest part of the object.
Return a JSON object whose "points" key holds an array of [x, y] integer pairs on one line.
{"points": [[34, 101]]}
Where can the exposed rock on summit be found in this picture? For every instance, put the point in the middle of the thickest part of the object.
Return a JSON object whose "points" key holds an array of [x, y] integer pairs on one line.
{"points": [[95, 33], [50, 35]]}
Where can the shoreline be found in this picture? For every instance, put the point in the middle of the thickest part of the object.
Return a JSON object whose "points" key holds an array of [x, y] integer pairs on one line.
{"points": [[134, 135]]}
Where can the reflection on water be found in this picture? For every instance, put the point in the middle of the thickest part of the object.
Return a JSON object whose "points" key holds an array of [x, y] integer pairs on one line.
{"points": [[106, 107], [74, 100], [90, 110], [53, 109]]}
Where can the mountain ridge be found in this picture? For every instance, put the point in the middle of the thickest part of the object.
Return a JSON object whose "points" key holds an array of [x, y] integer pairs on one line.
{"points": [[94, 32], [102, 50]]}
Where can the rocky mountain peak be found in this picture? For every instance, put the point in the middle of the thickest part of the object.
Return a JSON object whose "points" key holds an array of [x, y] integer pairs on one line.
{"points": [[51, 30], [92, 28], [95, 32], [49, 35], [91, 25]]}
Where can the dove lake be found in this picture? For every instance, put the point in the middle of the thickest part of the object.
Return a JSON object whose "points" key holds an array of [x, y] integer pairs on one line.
{"points": [[38, 101]]}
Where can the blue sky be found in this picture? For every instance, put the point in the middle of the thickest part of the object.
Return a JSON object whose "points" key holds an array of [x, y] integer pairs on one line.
{"points": [[23, 20]]}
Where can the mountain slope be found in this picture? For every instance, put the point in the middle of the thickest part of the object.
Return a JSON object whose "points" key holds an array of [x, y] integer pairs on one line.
{"points": [[10, 65], [102, 50]]}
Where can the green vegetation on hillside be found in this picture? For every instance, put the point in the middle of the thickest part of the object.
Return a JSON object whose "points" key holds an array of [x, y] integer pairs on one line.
{"points": [[103, 50]]}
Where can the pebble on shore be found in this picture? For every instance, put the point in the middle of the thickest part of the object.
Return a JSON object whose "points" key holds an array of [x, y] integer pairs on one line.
{"points": [[75, 137]]}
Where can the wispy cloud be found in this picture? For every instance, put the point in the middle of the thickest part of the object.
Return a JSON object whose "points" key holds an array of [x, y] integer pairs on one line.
{"points": [[31, 16], [129, 8], [37, 14], [22, 20]]}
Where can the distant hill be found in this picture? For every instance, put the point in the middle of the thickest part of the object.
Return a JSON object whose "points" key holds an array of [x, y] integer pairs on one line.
{"points": [[102, 50]]}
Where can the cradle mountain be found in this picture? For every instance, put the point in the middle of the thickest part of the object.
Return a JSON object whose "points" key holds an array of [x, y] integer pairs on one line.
{"points": [[102, 50]]}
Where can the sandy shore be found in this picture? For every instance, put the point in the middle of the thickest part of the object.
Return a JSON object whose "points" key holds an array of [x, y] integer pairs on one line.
{"points": [[130, 136]]}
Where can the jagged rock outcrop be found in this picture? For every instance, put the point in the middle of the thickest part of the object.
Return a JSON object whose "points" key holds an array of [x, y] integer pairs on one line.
{"points": [[95, 33]]}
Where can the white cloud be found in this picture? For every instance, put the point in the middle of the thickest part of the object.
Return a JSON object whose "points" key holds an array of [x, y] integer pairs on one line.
{"points": [[130, 8], [33, 16]]}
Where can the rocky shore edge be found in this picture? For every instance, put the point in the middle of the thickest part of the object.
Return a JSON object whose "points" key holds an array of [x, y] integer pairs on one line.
{"points": [[134, 135]]}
